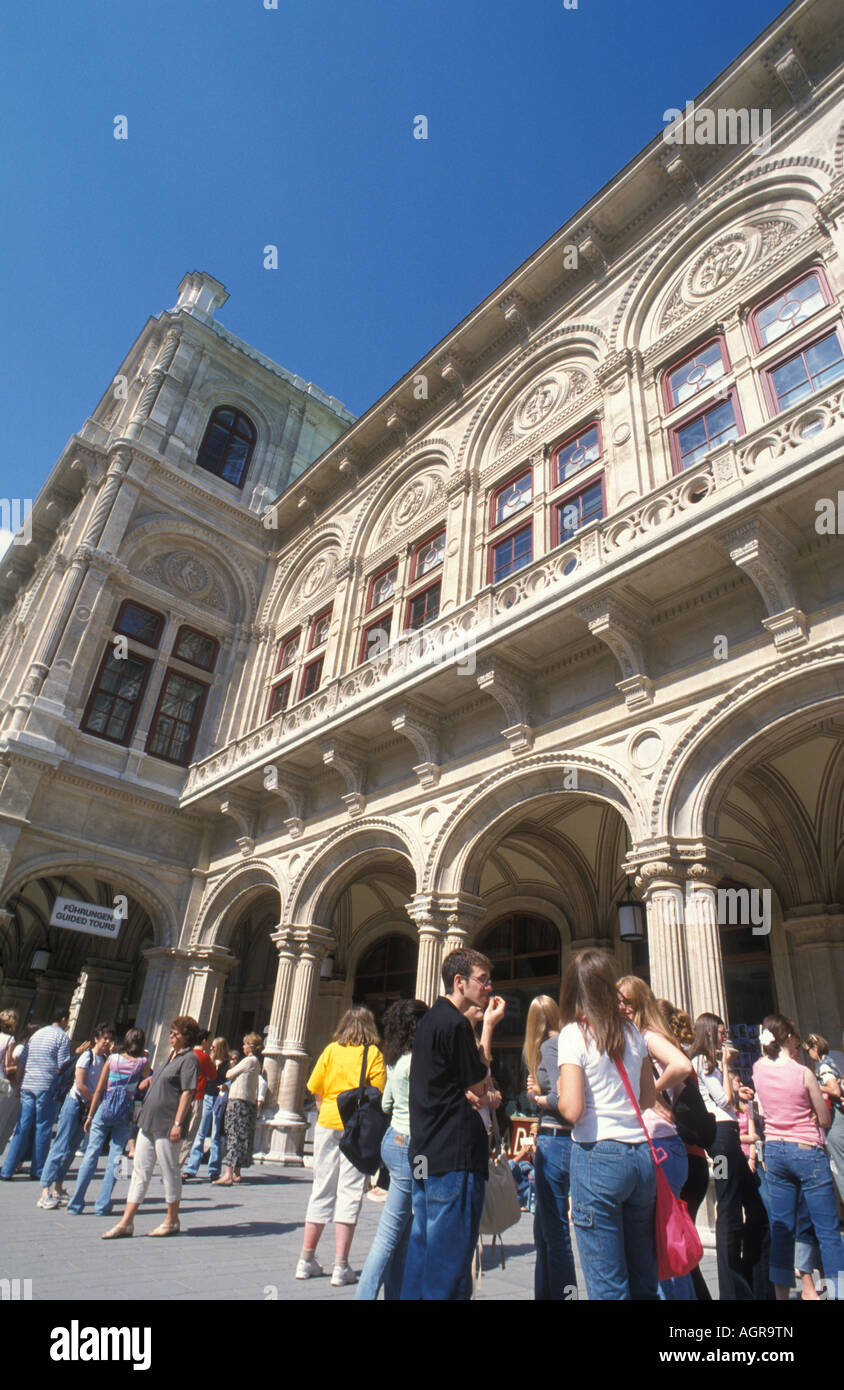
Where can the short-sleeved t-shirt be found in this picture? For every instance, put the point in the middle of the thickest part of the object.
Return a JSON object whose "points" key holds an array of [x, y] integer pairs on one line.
{"points": [[93, 1067], [608, 1113], [180, 1074], [338, 1069], [445, 1129]]}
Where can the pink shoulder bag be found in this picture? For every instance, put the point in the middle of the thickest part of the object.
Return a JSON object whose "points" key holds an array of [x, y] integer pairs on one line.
{"points": [[678, 1245]]}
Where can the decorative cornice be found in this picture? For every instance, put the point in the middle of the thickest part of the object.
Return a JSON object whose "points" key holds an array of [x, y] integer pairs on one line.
{"points": [[511, 689]]}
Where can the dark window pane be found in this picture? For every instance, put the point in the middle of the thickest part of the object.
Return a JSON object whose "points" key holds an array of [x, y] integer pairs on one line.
{"points": [[140, 624], [196, 648], [227, 446]]}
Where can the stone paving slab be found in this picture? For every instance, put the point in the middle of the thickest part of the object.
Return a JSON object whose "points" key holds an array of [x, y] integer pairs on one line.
{"points": [[239, 1243]]}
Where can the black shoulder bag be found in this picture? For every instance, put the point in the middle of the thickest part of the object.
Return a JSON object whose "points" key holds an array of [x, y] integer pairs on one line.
{"points": [[364, 1123]]}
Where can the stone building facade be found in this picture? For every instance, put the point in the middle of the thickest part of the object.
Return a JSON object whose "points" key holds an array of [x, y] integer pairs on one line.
{"points": [[558, 619]]}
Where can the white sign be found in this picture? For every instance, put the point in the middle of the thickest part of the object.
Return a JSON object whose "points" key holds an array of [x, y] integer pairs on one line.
{"points": [[87, 917]]}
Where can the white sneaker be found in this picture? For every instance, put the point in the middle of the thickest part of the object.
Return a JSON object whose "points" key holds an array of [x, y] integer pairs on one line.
{"points": [[308, 1269], [47, 1203], [343, 1274]]}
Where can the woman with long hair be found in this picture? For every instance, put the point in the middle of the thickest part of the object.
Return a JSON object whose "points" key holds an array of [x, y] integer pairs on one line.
{"points": [[740, 1221], [554, 1273], [241, 1110], [613, 1179], [9, 1098], [213, 1110], [385, 1261], [796, 1116], [690, 1129], [162, 1126], [671, 1070], [338, 1187], [120, 1078], [71, 1123], [829, 1079]]}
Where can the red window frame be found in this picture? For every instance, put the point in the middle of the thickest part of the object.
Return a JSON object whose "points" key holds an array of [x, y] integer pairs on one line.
{"points": [[312, 642], [417, 552], [189, 661], [370, 605], [755, 334], [413, 598], [385, 619], [560, 503], [502, 487], [796, 350], [147, 663], [194, 724], [306, 676], [285, 642], [286, 686], [502, 540], [570, 439], [153, 613], [732, 395], [721, 342]]}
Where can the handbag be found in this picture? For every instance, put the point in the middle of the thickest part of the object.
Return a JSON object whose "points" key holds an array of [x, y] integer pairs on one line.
{"points": [[695, 1125], [501, 1208], [364, 1123], [678, 1246]]}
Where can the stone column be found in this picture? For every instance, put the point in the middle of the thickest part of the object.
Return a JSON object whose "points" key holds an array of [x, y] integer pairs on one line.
{"points": [[816, 951], [273, 1050], [661, 883], [105, 986], [207, 968], [445, 922], [162, 998], [429, 963], [707, 989], [288, 1135]]}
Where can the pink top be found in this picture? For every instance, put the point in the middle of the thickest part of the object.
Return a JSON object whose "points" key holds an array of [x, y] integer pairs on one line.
{"points": [[788, 1111], [743, 1127]]}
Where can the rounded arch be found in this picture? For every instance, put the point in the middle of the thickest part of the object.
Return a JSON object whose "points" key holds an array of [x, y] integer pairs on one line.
{"points": [[145, 543], [573, 341], [216, 393], [799, 180], [339, 859], [421, 471], [475, 825], [731, 734], [136, 885], [228, 899], [327, 541]]}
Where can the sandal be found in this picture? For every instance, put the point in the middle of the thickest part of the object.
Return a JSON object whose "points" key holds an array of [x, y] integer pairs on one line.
{"points": [[118, 1232], [165, 1230]]}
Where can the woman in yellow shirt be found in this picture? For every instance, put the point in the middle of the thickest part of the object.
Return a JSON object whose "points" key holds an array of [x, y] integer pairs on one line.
{"points": [[338, 1187]]}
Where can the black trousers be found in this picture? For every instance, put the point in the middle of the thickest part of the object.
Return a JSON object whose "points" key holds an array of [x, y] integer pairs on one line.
{"points": [[693, 1194], [741, 1223]]}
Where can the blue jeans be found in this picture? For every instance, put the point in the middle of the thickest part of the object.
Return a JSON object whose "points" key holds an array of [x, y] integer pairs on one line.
{"points": [[446, 1220], [69, 1131], [101, 1132], [522, 1172], [199, 1143], [554, 1271], [791, 1170], [676, 1169], [37, 1113], [385, 1261], [613, 1193]]}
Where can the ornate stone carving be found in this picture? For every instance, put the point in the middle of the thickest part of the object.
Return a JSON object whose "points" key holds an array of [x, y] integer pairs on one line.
{"points": [[348, 759], [786, 60], [411, 501], [763, 554], [292, 790], [623, 632], [506, 684], [244, 819], [422, 728], [721, 261], [517, 313], [183, 572], [316, 576]]}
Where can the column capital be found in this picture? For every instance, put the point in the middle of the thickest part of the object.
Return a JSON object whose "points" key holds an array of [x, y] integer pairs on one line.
{"points": [[670, 863], [284, 938], [313, 940], [445, 912]]}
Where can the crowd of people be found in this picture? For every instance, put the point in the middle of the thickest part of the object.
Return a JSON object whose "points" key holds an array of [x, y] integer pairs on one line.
{"points": [[623, 1084]]}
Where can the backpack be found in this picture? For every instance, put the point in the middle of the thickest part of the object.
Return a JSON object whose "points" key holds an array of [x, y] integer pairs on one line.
{"points": [[364, 1123], [64, 1078], [119, 1100]]}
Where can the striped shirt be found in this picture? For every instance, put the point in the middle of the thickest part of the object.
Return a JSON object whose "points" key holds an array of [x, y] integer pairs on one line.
{"points": [[45, 1053]]}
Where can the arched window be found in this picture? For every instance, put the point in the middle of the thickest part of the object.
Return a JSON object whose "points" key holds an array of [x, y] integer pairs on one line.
{"points": [[386, 972], [227, 446], [525, 953]]}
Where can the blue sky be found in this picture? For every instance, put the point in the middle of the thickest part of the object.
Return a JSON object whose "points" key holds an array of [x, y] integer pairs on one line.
{"points": [[293, 126]]}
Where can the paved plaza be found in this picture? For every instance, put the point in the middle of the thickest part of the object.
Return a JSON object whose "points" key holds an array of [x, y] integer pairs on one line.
{"points": [[238, 1242]]}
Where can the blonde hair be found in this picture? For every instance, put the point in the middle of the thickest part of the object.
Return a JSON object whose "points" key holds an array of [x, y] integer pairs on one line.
{"points": [[814, 1040], [220, 1050], [356, 1028], [9, 1020], [256, 1042], [678, 1022], [646, 1011], [543, 1019]]}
